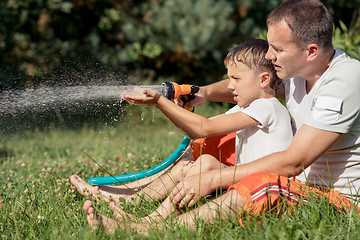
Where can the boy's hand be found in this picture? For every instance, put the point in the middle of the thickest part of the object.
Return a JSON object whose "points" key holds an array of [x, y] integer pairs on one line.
{"points": [[147, 99]]}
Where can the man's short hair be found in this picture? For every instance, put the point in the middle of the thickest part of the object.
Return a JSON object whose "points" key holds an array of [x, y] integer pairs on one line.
{"points": [[309, 20], [252, 54]]}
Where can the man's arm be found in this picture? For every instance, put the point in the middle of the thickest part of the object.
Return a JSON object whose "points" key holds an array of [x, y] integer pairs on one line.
{"points": [[308, 144]]}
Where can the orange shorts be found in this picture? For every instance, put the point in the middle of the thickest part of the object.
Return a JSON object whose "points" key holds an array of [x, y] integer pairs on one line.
{"points": [[221, 147], [262, 192]]}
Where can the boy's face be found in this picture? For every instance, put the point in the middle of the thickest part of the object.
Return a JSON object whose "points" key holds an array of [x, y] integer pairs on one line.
{"points": [[244, 83], [288, 58]]}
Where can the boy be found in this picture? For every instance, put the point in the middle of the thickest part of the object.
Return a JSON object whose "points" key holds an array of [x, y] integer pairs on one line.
{"points": [[261, 122]]}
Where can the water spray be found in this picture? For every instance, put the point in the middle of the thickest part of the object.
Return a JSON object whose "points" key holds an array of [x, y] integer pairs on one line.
{"points": [[171, 91]]}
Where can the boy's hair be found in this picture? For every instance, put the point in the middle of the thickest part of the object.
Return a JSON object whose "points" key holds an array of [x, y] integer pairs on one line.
{"points": [[309, 21], [252, 54]]}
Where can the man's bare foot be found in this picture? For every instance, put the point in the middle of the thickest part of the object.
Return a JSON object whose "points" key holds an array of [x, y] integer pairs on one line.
{"points": [[96, 219]]}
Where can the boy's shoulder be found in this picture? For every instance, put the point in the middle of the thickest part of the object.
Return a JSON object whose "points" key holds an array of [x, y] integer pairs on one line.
{"points": [[267, 102], [266, 106]]}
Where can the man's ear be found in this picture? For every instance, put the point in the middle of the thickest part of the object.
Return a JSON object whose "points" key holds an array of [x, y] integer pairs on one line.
{"points": [[312, 51], [265, 79]]}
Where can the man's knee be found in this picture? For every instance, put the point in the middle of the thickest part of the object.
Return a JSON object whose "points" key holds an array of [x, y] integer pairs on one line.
{"points": [[261, 176], [253, 183]]}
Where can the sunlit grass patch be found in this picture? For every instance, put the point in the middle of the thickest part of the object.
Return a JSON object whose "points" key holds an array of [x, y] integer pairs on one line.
{"points": [[38, 201]]}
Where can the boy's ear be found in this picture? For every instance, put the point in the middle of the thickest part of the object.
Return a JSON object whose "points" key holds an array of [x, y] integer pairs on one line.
{"points": [[265, 79]]}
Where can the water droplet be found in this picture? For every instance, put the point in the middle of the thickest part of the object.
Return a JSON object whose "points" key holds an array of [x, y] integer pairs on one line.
{"points": [[153, 115], [142, 113]]}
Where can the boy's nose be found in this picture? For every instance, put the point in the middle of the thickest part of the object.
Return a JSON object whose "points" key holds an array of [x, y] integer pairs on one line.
{"points": [[230, 85]]}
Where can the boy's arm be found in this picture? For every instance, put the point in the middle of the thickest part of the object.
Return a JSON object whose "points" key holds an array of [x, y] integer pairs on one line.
{"points": [[308, 144], [193, 125], [217, 92]]}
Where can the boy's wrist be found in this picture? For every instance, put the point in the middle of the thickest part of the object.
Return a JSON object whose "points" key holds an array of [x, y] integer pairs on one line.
{"points": [[159, 100]]}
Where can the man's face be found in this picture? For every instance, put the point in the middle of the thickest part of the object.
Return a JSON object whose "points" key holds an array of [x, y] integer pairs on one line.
{"points": [[288, 58]]}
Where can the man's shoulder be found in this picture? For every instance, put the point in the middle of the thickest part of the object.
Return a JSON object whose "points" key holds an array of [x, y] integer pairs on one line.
{"points": [[343, 62], [346, 70]]}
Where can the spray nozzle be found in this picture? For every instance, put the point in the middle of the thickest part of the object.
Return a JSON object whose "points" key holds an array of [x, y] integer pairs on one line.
{"points": [[185, 92]]}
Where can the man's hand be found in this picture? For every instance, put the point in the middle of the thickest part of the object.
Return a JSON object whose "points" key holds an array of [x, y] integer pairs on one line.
{"points": [[191, 190], [147, 99]]}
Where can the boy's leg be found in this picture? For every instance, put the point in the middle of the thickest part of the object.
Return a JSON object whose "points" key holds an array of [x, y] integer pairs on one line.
{"points": [[154, 187], [202, 164], [226, 206]]}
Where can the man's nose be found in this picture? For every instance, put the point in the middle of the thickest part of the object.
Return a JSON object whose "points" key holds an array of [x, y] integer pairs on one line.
{"points": [[269, 55]]}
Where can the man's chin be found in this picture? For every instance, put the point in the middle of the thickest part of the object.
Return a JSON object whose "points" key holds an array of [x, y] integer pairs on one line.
{"points": [[282, 75]]}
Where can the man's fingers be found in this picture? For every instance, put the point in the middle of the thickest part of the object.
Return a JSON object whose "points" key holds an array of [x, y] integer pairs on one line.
{"points": [[179, 102], [178, 197], [192, 202], [185, 200]]}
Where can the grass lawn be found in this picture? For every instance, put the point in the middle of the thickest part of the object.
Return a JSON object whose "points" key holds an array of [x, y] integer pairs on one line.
{"points": [[37, 200]]}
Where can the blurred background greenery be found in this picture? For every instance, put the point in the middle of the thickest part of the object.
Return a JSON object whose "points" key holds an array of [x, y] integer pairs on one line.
{"points": [[47, 42]]}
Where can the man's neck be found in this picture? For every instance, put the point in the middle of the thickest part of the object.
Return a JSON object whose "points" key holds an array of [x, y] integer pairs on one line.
{"points": [[319, 69]]}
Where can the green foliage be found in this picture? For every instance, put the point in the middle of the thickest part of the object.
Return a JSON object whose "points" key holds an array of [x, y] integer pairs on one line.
{"points": [[348, 40], [43, 42]]}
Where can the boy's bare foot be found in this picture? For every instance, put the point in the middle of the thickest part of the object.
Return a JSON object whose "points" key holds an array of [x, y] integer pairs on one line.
{"points": [[96, 219], [82, 186], [121, 214], [95, 192]]}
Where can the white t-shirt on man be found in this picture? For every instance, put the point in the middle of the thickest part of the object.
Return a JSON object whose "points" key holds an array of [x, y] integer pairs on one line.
{"points": [[333, 104]]}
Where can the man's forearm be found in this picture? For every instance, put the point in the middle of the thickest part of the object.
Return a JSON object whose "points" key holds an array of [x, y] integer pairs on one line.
{"points": [[279, 163], [219, 92]]}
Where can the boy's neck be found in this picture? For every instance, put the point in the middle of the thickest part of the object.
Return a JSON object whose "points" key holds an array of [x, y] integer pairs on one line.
{"points": [[267, 93]]}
